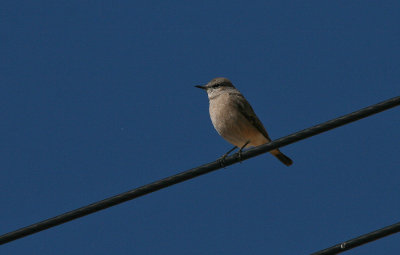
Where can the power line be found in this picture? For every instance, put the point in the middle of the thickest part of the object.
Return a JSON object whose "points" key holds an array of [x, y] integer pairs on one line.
{"points": [[341, 247], [192, 173]]}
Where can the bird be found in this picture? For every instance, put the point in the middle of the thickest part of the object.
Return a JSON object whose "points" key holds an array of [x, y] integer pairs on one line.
{"points": [[234, 118]]}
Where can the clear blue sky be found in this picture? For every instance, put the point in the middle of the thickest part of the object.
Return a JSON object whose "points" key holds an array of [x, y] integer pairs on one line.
{"points": [[97, 98]]}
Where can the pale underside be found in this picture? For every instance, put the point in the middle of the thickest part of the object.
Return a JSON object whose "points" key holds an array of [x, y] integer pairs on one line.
{"points": [[235, 120]]}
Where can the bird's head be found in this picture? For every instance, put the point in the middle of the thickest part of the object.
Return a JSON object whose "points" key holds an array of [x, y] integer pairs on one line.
{"points": [[217, 86]]}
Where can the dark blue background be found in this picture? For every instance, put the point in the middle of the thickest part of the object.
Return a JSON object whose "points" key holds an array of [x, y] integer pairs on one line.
{"points": [[97, 97]]}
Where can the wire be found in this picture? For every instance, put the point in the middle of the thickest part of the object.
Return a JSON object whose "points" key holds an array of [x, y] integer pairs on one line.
{"points": [[339, 248], [192, 173]]}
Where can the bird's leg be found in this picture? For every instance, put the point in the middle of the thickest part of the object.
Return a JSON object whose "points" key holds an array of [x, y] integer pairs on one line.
{"points": [[240, 151], [222, 158]]}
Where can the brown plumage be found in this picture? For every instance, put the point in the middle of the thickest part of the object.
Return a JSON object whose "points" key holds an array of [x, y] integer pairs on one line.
{"points": [[234, 118]]}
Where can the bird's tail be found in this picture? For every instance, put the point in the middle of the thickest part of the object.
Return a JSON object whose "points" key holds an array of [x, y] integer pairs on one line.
{"points": [[282, 157]]}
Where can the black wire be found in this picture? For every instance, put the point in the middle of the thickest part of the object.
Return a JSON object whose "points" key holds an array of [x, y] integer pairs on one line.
{"points": [[192, 173], [339, 248]]}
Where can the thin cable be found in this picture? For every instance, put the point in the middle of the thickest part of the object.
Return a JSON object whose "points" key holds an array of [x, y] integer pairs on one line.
{"points": [[192, 173], [341, 247]]}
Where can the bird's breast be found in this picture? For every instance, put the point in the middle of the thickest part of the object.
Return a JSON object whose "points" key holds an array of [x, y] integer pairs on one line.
{"points": [[223, 113], [231, 124]]}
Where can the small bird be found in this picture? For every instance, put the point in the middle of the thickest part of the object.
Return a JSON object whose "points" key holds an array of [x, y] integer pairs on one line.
{"points": [[234, 118]]}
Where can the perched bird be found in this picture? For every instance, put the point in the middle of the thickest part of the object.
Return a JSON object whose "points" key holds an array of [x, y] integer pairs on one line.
{"points": [[234, 118]]}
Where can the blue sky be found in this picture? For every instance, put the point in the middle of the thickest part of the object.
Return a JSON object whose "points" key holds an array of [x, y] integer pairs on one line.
{"points": [[97, 98]]}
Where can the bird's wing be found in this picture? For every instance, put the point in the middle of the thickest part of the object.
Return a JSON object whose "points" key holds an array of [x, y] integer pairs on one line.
{"points": [[247, 111]]}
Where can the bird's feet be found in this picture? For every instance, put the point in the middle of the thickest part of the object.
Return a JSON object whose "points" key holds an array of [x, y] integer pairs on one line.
{"points": [[239, 153], [222, 158]]}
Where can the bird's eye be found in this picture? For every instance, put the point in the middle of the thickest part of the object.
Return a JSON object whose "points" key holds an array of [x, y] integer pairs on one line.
{"points": [[216, 86]]}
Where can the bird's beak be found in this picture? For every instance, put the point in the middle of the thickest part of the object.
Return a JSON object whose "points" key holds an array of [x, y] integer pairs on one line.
{"points": [[201, 87]]}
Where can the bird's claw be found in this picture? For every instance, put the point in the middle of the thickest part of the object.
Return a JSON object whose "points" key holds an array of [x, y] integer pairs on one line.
{"points": [[222, 160], [239, 153]]}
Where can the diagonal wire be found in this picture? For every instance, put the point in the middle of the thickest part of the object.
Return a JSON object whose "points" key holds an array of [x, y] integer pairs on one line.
{"points": [[194, 172], [358, 241]]}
